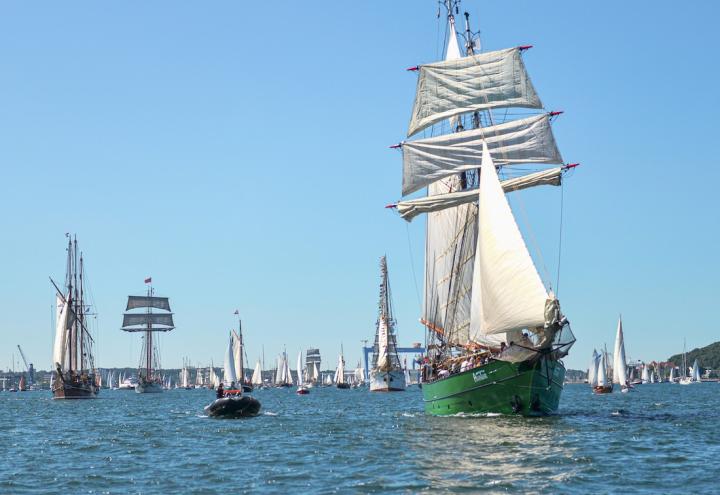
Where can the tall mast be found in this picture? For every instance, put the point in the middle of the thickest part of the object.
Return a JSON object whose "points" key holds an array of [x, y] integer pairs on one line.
{"points": [[81, 317], [148, 339]]}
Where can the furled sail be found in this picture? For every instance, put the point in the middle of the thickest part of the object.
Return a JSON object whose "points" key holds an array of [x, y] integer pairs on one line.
{"points": [[411, 208], [507, 291], [528, 140], [135, 302], [136, 319], [229, 375], [619, 364], [452, 87]]}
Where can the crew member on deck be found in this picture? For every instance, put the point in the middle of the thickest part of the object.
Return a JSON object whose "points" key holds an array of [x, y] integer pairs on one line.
{"points": [[220, 391]]}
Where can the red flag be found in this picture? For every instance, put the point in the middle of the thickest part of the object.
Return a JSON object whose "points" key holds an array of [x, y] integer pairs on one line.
{"points": [[148, 280]]}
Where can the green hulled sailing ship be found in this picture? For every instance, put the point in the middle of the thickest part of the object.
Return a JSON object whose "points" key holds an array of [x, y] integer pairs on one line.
{"points": [[495, 333]]}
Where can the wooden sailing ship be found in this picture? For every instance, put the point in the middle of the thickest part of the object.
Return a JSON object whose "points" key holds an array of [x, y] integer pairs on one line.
{"points": [[142, 316], [495, 332], [73, 361], [386, 374]]}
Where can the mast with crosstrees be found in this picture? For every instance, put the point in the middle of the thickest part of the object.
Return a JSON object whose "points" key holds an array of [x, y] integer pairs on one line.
{"points": [[74, 375], [141, 317], [487, 311]]}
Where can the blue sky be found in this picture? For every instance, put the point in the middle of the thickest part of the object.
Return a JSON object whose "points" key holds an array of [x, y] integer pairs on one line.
{"points": [[239, 157]]}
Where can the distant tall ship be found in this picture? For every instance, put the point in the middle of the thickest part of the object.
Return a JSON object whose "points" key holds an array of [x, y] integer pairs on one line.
{"points": [[73, 362], [148, 322], [495, 332], [386, 374]]}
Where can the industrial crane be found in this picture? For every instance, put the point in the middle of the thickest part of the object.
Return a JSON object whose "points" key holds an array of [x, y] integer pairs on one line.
{"points": [[28, 367]]}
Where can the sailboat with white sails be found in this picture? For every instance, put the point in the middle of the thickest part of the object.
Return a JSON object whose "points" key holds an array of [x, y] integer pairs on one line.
{"points": [[302, 389], [339, 379], [483, 292], [386, 374], [256, 379], [73, 359], [619, 363], [283, 377]]}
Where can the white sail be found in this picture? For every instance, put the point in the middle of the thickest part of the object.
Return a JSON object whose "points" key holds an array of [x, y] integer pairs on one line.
{"points": [[279, 371], [257, 374], [299, 370], [695, 371], [619, 364], [602, 379], [528, 140], [645, 377], [229, 375], [315, 372], [413, 207], [507, 291], [62, 324], [288, 375], [238, 353], [449, 252], [593, 369], [455, 86], [672, 374], [340, 371], [383, 360]]}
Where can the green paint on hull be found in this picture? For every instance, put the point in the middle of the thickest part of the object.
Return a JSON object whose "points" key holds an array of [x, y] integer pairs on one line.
{"points": [[529, 389]]}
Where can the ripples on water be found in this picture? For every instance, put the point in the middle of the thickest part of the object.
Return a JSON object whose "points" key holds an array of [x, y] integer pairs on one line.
{"points": [[660, 438]]}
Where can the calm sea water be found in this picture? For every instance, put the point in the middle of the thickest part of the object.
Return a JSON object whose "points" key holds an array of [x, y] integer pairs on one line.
{"points": [[661, 438]]}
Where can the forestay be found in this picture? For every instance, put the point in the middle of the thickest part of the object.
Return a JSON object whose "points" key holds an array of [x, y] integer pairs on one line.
{"points": [[411, 208], [507, 291], [528, 140], [488, 80]]}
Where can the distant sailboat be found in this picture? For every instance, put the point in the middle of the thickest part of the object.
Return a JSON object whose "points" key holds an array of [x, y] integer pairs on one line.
{"points": [[619, 363], [339, 380], [645, 374], [386, 374], [593, 370], [604, 386], [256, 379], [696, 372], [148, 322], [73, 361], [672, 375], [302, 389]]}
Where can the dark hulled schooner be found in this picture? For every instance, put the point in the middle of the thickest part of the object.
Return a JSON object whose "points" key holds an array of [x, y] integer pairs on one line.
{"points": [[495, 333], [73, 362], [148, 322]]}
